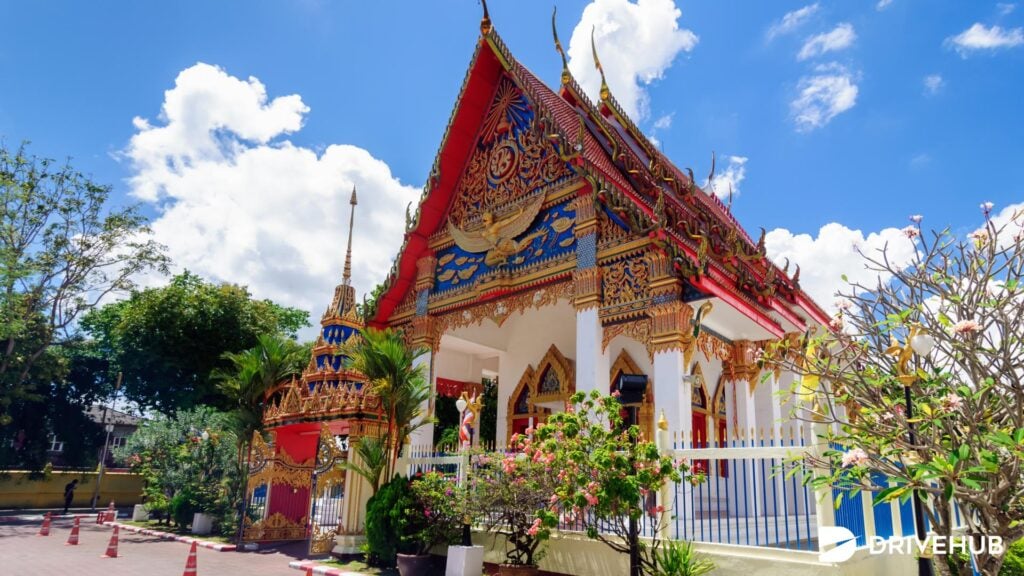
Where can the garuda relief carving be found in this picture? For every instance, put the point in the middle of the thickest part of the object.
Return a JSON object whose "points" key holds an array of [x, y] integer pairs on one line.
{"points": [[497, 236]]}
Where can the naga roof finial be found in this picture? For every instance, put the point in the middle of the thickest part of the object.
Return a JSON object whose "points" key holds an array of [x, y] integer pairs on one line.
{"points": [[485, 22], [605, 93], [558, 47]]}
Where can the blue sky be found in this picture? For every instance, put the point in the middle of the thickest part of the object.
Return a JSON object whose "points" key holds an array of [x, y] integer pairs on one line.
{"points": [[852, 114]]}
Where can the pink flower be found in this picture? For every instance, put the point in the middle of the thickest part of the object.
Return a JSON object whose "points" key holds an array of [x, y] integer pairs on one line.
{"points": [[899, 409], [591, 499], [836, 323], [534, 528], [966, 327], [855, 457], [553, 499], [530, 431], [616, 394], [952, 401], [911, 232]]}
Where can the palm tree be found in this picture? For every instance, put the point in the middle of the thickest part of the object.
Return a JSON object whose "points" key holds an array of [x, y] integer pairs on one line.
{"points": [[252, 373], [383, 357], [373, 458]]}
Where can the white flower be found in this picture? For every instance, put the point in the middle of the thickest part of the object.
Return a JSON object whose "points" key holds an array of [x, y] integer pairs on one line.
{"points": [[986, 208], [916, 218], [911, 232], [855, 457]]}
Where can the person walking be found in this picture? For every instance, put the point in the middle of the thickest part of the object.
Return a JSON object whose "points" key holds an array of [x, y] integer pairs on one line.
{"points": [[69, 494]]}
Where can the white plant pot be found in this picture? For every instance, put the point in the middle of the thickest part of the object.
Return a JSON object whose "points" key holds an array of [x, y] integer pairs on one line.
{"points": [[464, 561], [202, 523], [140, 513]]}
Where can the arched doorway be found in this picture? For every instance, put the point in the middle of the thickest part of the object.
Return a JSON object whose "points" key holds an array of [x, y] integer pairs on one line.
{"points": [[624, 364], [540, 391]]}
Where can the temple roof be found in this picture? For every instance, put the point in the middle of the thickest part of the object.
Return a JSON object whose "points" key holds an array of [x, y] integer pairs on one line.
{"points": [[632, 178]]}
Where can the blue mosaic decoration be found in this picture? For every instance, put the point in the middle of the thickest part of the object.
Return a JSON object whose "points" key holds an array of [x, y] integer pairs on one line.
{"points": [[421, 302], [586, 251], [335, 334]]}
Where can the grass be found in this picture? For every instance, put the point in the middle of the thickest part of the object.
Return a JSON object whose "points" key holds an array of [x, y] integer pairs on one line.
{"points": [[177, 530]]}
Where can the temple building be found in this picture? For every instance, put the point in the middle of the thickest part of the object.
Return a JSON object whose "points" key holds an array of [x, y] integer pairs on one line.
{"points": [[554, 249]]}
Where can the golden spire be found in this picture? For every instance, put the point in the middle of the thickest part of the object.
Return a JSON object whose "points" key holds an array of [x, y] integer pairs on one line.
{"points": [[558, 47], [347, 276], [605, 93], [485, 22]]}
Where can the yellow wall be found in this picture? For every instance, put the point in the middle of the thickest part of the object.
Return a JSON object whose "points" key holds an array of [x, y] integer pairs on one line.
{"points": [[17, 491]]}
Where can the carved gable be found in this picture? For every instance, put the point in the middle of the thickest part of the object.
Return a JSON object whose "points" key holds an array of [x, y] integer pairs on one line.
{"points": [[510, 215]]}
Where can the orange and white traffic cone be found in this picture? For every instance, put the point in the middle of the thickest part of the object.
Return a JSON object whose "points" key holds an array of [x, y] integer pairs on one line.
{"points": [[73, 537], [112, 547], [190, 564], [309, 571], [44, 530]]}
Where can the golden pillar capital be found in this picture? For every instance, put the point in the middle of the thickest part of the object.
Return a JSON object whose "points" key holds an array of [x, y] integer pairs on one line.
{"points": [[588, 287], [425, 272]]}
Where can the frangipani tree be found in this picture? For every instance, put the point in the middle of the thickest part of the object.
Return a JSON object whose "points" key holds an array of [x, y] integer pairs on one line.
{"points": [[945, 331]]}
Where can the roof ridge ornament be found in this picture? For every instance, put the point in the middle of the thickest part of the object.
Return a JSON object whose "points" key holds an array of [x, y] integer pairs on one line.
{"points": [[559, 49], [605, 92], [485, 22]]}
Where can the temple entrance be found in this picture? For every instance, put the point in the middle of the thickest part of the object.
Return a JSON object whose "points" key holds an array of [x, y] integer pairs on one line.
{"points": [[277, 493], [328, 491]]}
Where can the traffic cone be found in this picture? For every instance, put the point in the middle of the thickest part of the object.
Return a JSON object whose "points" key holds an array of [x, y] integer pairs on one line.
{"points": [[73, 537], [190, 564], [44, 530], [112, 547], [309, 571]]}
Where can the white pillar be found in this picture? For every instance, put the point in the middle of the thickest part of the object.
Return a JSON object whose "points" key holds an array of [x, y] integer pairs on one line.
{"points": [[673, 394], [768, 406], [591, 360], [424, 435]]}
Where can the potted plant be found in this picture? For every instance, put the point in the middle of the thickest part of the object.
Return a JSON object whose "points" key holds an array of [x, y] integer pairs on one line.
{"points": [[433, 519], [507, 492]]}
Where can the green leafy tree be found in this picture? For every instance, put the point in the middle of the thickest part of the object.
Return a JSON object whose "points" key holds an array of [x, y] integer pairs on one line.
{"points": [[607, 476], [251, 374], [169, 341], [962, 441], [383, 357], [189, 464], [63, 249]]}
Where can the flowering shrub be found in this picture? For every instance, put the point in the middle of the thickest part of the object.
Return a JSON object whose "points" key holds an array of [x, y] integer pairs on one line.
{"points": [[439, 500], [505, 492], [606, 477]]}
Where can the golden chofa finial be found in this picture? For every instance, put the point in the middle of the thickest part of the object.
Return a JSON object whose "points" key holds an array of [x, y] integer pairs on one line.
{"points": [[605, 93], [485, 22], [662, 421], [558, 47]]}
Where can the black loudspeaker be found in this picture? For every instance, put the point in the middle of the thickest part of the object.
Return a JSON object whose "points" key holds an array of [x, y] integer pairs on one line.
{"points": [[631, 388]]}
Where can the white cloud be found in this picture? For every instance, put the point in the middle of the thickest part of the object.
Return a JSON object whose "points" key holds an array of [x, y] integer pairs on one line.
{"points": [[728, 181], [978, 37], [664, 122], [791, 21], [1006, 8], [636, 42], [828, 92], [882, 5], [239, 203], [932, 84], [839, 38], [834, 252]]}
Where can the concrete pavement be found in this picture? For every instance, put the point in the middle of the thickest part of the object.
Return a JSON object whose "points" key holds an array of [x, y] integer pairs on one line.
{"points": [[23, 553]]}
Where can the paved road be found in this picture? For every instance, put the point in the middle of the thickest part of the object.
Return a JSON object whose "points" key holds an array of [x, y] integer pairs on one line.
{"points": [[23, 553]]}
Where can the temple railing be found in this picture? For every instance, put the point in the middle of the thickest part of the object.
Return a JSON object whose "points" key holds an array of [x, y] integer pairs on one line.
{"points": [[754, 494]]}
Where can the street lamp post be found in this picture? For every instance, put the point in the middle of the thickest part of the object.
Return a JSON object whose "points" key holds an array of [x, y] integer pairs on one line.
{"points": [[922, 344], [106, 443]]}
